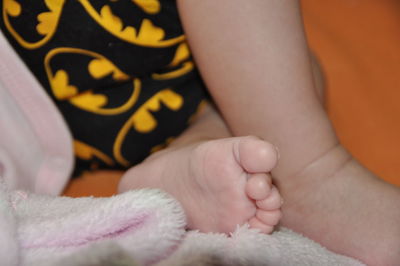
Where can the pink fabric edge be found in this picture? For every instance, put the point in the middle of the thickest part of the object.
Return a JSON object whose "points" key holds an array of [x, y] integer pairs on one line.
{"points": [[47, 123], [75, 237]]}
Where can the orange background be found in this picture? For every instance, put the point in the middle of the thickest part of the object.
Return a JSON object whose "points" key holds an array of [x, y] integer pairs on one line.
{"points": [[358, 45]]}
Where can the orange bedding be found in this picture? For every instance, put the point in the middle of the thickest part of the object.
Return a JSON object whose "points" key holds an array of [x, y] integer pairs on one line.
{"points": [[358, 45]]}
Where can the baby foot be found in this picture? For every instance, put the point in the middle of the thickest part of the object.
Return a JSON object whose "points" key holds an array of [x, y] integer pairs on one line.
{"points": [[220, 183]]}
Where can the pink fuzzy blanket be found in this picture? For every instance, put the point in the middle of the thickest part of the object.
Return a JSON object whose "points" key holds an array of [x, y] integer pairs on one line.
{"points": [[140, 227]]}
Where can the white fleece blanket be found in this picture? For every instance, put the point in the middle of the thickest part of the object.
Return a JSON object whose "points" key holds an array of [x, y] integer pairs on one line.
{"points": [[141, 227]]}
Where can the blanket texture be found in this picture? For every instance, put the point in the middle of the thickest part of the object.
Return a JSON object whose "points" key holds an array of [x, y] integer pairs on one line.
{"points": [[140, 227]]}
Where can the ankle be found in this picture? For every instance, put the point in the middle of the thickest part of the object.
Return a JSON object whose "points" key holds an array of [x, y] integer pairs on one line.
{"points": [[314, 174], [335, 196], [319, 188]]}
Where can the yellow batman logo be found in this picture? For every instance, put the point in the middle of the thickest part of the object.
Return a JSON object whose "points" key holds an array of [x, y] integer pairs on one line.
{"points": [[143, 121], [148, 6], [147, 35], [47, 21]]}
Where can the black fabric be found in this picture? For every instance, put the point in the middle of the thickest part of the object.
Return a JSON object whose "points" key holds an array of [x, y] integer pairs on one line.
{"points": [[90, 68]]}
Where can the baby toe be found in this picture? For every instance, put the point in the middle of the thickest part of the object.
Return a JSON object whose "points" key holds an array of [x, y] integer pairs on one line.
{"points": [[272, 202], [258, 186], [269, 217], [257, 224]]}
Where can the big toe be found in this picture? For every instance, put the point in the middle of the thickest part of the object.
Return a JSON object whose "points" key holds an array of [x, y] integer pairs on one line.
{"points": [[256, 155]]}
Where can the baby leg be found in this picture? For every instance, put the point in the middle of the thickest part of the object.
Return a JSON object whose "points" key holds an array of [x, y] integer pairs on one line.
{"points": [[261, 79]]}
